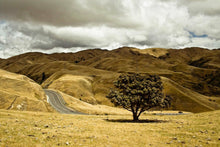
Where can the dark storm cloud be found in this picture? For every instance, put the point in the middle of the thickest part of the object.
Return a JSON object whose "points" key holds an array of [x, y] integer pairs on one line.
{"points": [[66, 12]]}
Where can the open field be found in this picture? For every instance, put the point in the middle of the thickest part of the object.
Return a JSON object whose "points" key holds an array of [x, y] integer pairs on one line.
{"points": [[53, 129]]}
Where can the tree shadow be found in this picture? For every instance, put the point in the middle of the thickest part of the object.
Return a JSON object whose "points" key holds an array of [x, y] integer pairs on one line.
{"points": [[139, 121]]}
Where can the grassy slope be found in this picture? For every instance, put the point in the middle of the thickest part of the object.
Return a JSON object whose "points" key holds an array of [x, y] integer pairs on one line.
{"points": [[188, 100], [77, 86], [51, 129], [157, 52], [183, 99], [18, 92], [190, 72], [98, 84], [88, 108]]}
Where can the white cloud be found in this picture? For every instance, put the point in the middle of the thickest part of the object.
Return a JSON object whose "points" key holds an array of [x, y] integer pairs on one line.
{"points": [[71, 25], [203, 24], [204, 43]]}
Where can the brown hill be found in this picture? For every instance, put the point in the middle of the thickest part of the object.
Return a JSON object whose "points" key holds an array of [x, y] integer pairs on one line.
{"points": [[93, 89], [175, 64], [188, 100], [18, 92], [79, 56], [156, 52], [197, 57], [87, 84], [17, 63], [88, 75]]}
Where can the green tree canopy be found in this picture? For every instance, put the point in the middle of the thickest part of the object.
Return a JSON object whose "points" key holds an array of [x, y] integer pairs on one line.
{"points": [[138, 93]]}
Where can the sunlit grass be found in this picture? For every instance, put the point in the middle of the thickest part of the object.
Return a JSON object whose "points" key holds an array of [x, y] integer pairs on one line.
{"points": [[53, 129]]}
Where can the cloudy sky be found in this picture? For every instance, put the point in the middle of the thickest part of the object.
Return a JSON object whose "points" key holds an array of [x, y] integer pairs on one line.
{"points": [[72, 25]]}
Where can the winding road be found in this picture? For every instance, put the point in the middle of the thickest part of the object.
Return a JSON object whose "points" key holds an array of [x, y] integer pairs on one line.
{"points": [[58, 103]]}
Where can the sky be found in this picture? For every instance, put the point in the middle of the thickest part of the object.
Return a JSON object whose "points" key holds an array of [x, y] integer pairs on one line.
{"points": [[72, 25]]}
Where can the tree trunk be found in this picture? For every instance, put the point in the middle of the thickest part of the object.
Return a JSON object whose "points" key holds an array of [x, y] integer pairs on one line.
{"points": [[135, 117]]}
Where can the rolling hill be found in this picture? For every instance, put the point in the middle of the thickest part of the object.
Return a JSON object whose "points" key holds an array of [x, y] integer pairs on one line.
{"points": [[190, 76], [18, 92]]}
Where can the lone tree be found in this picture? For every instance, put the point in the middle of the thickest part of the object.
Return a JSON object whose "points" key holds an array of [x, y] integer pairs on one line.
{"points": [[138, 93]]}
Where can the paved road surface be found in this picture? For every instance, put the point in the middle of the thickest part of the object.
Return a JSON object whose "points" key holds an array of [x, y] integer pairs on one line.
{"points": [[58, 103]]}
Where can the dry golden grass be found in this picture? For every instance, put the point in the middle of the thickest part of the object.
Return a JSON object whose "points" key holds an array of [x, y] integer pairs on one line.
{"points": [[77, 86], [190, 100], [52, 129], [87, 84], [84, 107], [89, 75], [156, 52], [18, 92]]}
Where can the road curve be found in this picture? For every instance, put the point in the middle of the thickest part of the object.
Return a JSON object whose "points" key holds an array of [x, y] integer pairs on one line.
{"points": [[58, 103]]}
